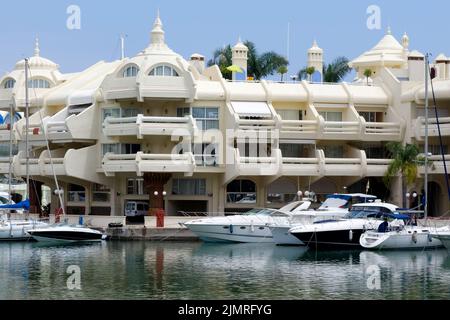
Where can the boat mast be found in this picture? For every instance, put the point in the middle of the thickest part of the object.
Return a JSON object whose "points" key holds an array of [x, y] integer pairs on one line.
{"points": [[426, 136], [11, 125], [27, 125]]}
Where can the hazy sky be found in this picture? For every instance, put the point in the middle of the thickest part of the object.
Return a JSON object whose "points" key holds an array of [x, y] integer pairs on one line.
{"points": [[340, 27]]}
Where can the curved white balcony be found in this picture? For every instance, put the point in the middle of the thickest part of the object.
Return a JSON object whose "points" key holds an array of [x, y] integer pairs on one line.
{"points": [[382, 131], [437, 165], [141, 163], [141, 126], [432, 127]]}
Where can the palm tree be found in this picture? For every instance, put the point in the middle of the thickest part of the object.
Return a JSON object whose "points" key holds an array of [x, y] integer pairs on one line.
{"points": [[336, 70], [333, 72], [367, 74], [306, 73], [405, 161], [259, 65], [282, 71]]}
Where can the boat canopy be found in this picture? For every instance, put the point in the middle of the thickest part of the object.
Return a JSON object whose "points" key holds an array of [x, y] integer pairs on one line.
{"points": [[21, 205]]}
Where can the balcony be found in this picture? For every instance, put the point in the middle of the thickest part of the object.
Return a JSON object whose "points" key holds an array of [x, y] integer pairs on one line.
{"points": [[432, 127], [141, 163], [304, 166], [80, 164], [72, 124], [301, 129], [437, 166], [382, 131], [340, 130], [141, 126]]}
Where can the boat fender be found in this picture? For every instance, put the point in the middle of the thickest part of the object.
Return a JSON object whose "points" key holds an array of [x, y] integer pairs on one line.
{"points": [[430, 238], [252, 228], [350, 236], [231, 229], [414, 237]]}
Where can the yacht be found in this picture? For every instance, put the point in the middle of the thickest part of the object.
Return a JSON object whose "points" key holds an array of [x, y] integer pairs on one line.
{"points": [[408, 237], [444, 236], [335, 206], [64, 233], [251, 227], [345, 232]]}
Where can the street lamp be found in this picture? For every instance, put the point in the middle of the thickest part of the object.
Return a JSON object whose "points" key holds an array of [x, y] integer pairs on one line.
{"points": [[156, 193]]}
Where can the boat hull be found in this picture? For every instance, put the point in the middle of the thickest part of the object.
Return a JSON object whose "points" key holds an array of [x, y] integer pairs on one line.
{"points": [[398, 240], [56, 236], [282, 237], [17, 232], [232, 234], [333, 239]]}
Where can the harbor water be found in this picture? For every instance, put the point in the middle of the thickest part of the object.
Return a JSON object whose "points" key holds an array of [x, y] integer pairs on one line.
{"points": [[146, 270]]}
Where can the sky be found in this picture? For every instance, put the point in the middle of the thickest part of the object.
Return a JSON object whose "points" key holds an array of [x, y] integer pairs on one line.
{"points": [[201, 26]]}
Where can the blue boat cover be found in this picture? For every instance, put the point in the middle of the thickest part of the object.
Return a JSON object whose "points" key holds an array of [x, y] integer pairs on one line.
{"points": [[21, 205]]}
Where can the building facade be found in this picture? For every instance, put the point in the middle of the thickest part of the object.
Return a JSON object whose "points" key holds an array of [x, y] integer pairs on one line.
{"points": [[172, 132]]}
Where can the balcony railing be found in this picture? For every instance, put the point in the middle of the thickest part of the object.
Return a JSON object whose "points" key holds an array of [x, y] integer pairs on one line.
{"points": [[433, 131], [141, 126], [141, 163]]}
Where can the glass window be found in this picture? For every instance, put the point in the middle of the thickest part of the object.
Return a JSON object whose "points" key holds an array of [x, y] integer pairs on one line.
{"points": [[189, 187], [131, 71], [332, 116], [205, 154], [129, 112], [207, 118], [182, 112], [334, 151], [110, 148], [38, 84], [9, 84], [111, 113], [164, 71], [290, 114], [369, 116], [135, 186]]}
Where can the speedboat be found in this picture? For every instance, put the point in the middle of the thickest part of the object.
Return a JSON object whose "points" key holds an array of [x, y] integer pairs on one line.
{"points": [[345, 232], [335, 206], [443, 235], [407, 237], [64, 233], [250, 227]]}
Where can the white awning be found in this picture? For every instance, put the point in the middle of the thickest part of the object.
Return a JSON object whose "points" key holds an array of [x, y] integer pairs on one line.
{"points": [[252, 109]]}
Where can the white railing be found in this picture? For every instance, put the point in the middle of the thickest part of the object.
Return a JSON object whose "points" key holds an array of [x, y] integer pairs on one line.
{"points": [[379, 162], [245, 124], [57, 127], [343, 161], [381, 128], [300, 161], [300, 126], [444, 124], [347, 127]]}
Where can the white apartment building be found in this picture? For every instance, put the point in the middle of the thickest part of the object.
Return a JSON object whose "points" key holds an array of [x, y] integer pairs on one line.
{"points": [[159, 128]]}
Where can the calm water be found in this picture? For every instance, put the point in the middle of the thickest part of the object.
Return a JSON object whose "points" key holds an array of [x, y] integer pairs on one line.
{"points": [[140, 270]]}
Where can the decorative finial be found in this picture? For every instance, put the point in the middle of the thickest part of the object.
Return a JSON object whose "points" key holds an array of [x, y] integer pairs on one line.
{"points": [[405, 41], [158, 32], [37, 50], [239, 39], [389, 31]]}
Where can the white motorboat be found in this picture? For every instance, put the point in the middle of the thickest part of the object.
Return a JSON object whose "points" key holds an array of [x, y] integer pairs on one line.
{"points": [[408, 237], [335, 207], [345, 232], [251, 227], [64, 233], [443, 235]]}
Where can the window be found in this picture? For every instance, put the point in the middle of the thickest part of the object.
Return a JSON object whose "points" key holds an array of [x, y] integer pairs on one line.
{"points": [[135, 186], [163, 71], [189, 187], [39, 84], [100, 193], [76, 193], [293, 150], [9, 84], [207, 118], [183, 112], [130, 72], [370, 116], [242, 192], [205, 154], [129, 112], [334, 151], [111, 113], [290, 114], [332, 116]]}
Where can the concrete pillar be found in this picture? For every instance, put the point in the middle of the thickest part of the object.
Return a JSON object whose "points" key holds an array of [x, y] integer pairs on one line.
{"points": [[88, 200], [35, 195]]}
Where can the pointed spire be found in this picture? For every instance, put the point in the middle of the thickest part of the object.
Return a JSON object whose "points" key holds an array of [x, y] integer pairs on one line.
{"points": [[315, 43], [389, 31], [158, 32], [37, 49], [405, 41]]}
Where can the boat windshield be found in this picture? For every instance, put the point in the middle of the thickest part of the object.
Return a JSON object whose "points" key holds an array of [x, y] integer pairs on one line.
{"points": [[362, 212], [265, 212]]}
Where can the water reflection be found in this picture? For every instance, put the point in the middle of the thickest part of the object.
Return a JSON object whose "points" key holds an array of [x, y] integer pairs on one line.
{"points": [[141, 270]]}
